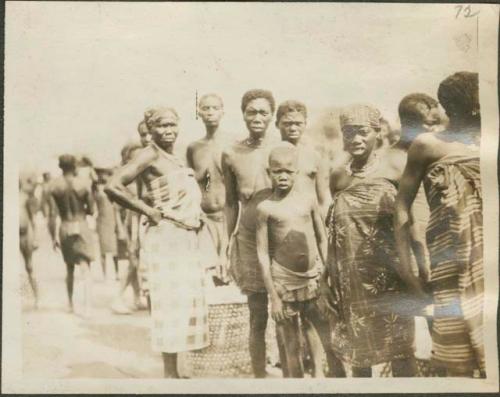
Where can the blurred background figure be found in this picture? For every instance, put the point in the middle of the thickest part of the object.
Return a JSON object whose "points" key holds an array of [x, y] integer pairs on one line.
{"points": [[72, 200], [106, 225], [27, 240]]}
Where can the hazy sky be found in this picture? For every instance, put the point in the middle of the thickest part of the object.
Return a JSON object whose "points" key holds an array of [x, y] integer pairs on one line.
{"points": [[80, 75]]}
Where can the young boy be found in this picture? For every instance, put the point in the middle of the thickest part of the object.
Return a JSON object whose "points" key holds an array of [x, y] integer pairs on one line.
{"points": [[290, 235]]}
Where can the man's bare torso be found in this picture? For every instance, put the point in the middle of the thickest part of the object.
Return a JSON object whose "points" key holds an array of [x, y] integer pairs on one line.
{"points": [[204, 156], [71, 195]]}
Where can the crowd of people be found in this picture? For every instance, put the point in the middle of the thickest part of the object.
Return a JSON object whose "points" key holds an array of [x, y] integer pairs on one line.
{"points": [[344, 253]]}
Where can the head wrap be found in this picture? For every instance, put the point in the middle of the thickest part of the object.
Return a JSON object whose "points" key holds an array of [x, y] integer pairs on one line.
{"points": [[151, 116], [360, 115]]}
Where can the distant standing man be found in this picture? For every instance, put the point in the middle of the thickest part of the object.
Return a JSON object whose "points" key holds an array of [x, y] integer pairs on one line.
{"points": [[204, 156], [27, 240], [244, 166], [72, 199]]}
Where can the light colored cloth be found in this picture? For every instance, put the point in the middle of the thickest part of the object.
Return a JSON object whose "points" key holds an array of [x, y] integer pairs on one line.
{"points": [[176, 286], [455, 242], [294, 286], [363, 263], [174, 258]]}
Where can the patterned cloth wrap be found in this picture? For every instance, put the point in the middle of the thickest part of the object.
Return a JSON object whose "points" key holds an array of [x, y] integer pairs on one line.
{"points": [[172, 252], [362, 263], [455, 242]]}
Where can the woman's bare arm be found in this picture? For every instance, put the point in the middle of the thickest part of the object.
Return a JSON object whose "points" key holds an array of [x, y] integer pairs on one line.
{"points": [[408, 188], [117, 190]]}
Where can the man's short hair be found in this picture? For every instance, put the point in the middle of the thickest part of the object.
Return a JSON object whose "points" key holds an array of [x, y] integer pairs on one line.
{"points": [[256, 94], [290, 106], [211, 95], [67, 162], [460, 90], [409, 114]]}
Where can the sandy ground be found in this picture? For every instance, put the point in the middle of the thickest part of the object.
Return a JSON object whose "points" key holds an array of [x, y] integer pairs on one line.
{"points": [[59, 344]]}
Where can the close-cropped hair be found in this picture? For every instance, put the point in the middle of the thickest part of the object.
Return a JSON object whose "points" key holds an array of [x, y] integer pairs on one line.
{"points": [[290, 107], [409, 114], [256, 94]]}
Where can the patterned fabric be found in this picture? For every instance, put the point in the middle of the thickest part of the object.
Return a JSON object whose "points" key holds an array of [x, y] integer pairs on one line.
{"points": [[362, 265], [177, 194], [76, 241], [360, 115], [455, 242], [178, 309]]}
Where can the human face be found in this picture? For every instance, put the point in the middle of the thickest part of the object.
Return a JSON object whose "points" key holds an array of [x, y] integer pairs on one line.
{"points": [[164, 132], [292, 126], [282, 171], [257, 116], [359, 141], [211, 111], [144, 135]]}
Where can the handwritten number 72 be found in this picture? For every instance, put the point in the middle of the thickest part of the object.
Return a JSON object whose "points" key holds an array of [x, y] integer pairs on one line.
{"points": [[465, 11]]}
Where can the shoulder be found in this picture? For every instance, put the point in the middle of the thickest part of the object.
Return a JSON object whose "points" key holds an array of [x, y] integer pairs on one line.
{"points": [[145, 155], [263, 209], [423, 147], [196, 144]]}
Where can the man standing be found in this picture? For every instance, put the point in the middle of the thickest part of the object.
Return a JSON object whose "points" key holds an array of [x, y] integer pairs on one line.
{"points": [[244, 166], [72, 199], [204, 156]]}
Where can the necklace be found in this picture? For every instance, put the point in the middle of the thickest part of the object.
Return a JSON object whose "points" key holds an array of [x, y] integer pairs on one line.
{"points": [[364, 171]]}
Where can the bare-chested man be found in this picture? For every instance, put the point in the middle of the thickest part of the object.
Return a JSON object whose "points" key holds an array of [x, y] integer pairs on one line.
{"points": [[247, 183], [171, 245], [27, 240], [72, 199], [204, 156], [292, 249]]}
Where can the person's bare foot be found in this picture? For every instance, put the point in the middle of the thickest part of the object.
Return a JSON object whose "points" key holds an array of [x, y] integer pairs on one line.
{"points": [[118, 307]]}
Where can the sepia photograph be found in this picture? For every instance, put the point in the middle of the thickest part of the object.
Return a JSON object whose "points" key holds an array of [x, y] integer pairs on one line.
{"points": [[216, 197]]}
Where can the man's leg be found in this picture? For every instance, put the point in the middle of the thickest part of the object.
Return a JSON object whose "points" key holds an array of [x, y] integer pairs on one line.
{"points": [[322, 327], [289, 332], [103, 264], [404, 367], [70, 279], [115, 261], [28, 257], [170, 365], [87, 286], [257, 304]]}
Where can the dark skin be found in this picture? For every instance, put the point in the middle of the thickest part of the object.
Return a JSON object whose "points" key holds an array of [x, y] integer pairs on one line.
{"points": [[71, 198], [148, 164], [425, 150], [244, 167]]}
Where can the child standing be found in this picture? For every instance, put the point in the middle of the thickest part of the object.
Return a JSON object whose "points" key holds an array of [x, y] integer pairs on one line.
{"points": [[290, 235]]}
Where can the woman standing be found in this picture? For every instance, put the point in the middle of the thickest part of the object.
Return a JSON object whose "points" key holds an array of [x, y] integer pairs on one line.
{"points": [[363, 261], [171, 245], [448, 165]]}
